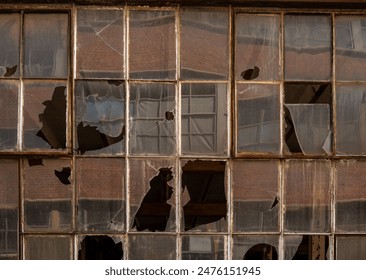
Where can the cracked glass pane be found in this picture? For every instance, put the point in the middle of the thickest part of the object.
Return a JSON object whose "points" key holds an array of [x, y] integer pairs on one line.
{"points": [[46, 45], [264, 247], [48, 195], [152, 44], [197, 247], [256, 195], [351, 120], [9, 118], [100, 51], [307, 196], [152, 247], [308, 47], [258, 126], [9, 45], [350, 248], [45, 110], [152, 118], [9, 208], [100, 117], [350, 48], [256, 45], [48, 248], [204, 44], [204, 118], [101, 195], [100, 247], [306, 247], [152, 195], [350, 205]]}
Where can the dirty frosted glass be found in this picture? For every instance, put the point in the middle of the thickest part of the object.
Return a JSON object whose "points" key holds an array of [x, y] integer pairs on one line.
{"points": [[255, 247], [306, 247], [100, 117], [100, 247], [45, 111], [152, 195], [204, 119], [152, 45], [48, 193], [46, 45], [101, 197], [258, 125], [204, 44], [9, 45], [203, 247], [9, 206], [307, 196], [256, 45], [100, 51], [350, 248], [9, 118], [308, 47], [152, 118], [48, 248], [350, 48], [351, 120], [350, 196], [152, 247], [256, 196]]}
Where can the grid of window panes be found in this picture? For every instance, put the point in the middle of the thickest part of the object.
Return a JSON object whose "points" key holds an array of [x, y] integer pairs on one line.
{"points": [[182, 133]]}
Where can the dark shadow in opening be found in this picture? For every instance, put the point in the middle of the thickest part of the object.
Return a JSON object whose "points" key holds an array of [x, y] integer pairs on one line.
{"points": [[261, 251], [64, 175], [100, 247], [312, 247]]}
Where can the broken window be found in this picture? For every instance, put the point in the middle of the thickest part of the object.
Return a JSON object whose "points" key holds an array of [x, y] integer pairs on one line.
{"points": [[306, 247], [100, 117], [101, 194], [204, 43], [350, 193], [307, 196], [204, 118], [152, 118], [308, 118], [257, 45], [48, 247], [100, 51], [308, 47], [152, 195], [48, 194], [9, 118], [203, 247], [350, 248], [152, 44], [203, 197], [100, 247], [9, 208], [152, 247], [256, 247], [256, 195], [258, 119]]}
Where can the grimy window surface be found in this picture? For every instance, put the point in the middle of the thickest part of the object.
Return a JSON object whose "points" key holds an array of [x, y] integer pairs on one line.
{"points": [[171, 132]]}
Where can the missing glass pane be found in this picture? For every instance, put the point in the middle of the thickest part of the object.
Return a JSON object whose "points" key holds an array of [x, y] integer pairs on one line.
{"points": [[256, 247], [100, 247], [306, 247]]}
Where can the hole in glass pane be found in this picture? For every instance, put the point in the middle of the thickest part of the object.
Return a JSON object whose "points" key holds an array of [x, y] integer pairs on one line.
{"points": [[100, 247]]}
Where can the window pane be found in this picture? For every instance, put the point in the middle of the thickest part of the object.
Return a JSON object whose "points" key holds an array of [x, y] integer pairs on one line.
{"points": [[100, 44], [204, 44], [100, 247], [204, 119], [306, 247], [48, 195], [307, 196], [152, 118], [100, 117], [258, 118], [46, 45], [264, 247], [152, 45], [152, 247], [9, 45], [257, 44], [9, 115], [256, 195], [350, 248], [101, 197], [203, 247], [48, 248], [307, 47]]}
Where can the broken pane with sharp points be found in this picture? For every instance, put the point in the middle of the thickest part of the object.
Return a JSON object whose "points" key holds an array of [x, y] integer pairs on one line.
{"points": [[100, 51], [48, 248], [152, 44], [101, 194], [256, 247], [256, 195], [100, 247], [350, 248], [152, 195], [9, 118], [306, 247], [48, 194], [196, 247]]}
